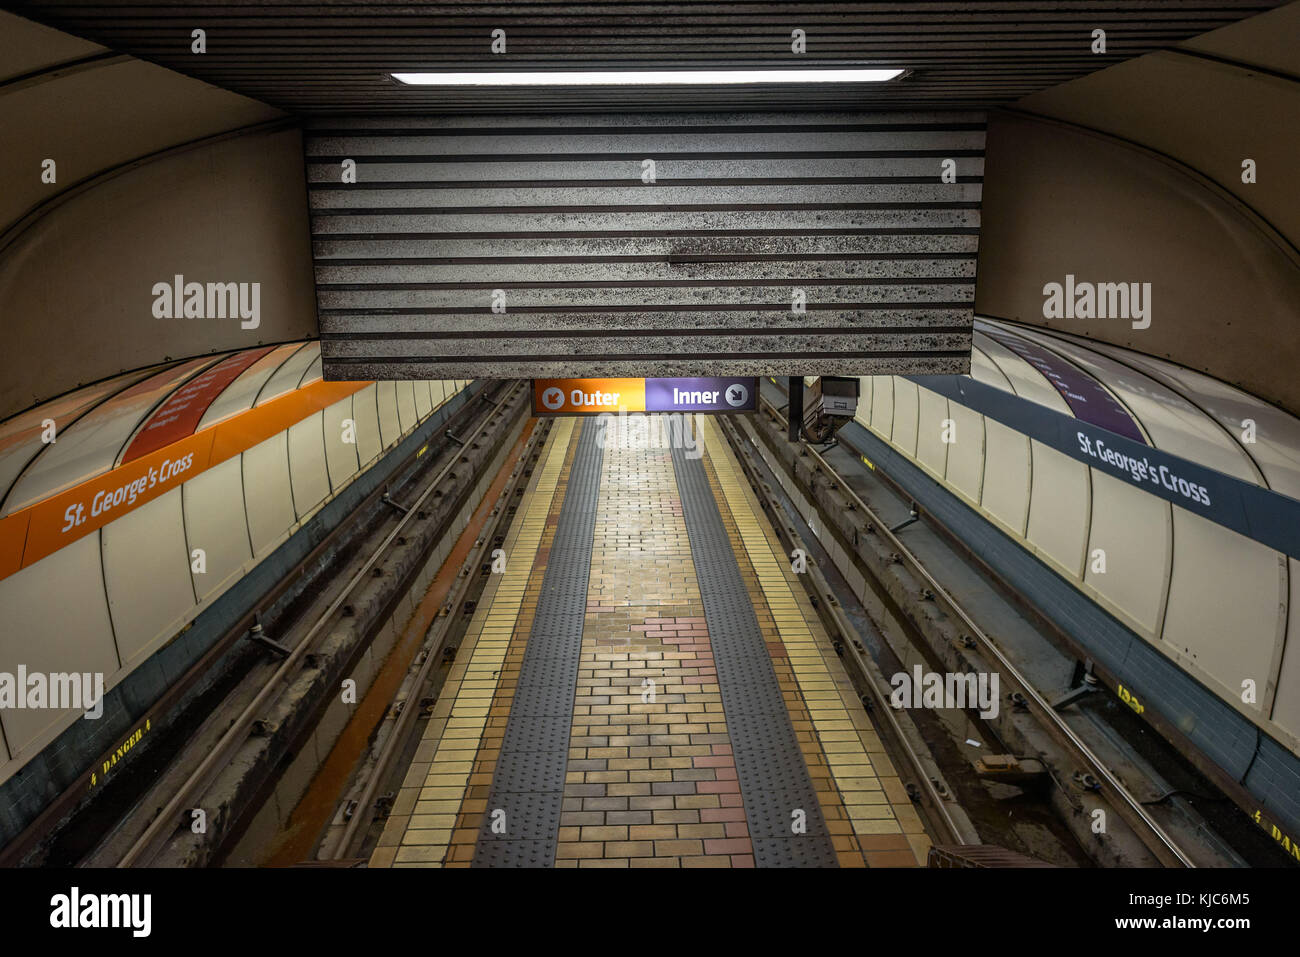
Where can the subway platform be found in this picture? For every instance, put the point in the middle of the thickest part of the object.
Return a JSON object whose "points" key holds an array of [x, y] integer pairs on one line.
{"points": [[646, 685]]}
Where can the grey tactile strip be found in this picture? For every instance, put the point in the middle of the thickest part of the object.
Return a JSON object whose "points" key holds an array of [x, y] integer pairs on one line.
{"points": [[774, 780], [528, 784]]}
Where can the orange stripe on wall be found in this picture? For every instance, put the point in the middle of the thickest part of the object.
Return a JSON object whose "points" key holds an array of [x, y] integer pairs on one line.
{"points": [[243, 431], [39, 530], [13, 536]]}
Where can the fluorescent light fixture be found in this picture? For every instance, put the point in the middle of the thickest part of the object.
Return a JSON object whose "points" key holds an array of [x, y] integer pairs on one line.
{"points": [[646, 77]]}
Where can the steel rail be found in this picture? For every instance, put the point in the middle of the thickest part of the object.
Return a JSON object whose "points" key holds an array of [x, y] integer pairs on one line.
{"points": [[68, 800], [1042, 706], [401, 726], [937, 800], [237, 733]]}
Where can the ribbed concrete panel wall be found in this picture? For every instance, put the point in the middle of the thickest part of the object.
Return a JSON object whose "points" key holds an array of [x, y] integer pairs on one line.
{"points": [[595, 271]]}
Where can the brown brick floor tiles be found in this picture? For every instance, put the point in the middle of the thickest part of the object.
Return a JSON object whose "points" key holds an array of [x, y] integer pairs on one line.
{"points": [[651, 781]]}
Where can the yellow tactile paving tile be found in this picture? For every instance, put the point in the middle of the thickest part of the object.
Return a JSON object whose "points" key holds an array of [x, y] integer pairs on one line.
{"points": [[435, 791], [886, 829]]}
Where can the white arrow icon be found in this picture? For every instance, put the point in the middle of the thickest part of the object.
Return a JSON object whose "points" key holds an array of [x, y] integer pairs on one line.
{"points": [[553, 398], [737, 395]]}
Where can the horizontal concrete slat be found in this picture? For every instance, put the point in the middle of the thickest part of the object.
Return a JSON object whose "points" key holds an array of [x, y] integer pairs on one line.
{"points": [[326, 250], [648, 297], [739, 141], [666, 169], [463, 324], [380, 274], [677, 121], [637, 222], [640, 194], [674, 365], [652, 344]]}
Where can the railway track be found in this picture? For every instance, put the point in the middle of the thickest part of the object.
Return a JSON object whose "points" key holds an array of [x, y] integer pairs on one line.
{"points": [[346, 842], [1149, 830], [145, 847], [946, 819], [949, 822]]}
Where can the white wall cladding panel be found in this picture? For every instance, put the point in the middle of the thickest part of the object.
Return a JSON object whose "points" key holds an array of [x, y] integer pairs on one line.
{"points": [[1286, 707], [1026, 381], [390, 429], [268, 493], [1276, 449], [1058, 509], [20, 435], [423, 398], [135, 584], [984, 369], [365, 412], [307, 469], [49, 630], [147, 576], [1224, 598], [1007, 469], [1133, 528], [688, 276], [906, 412], [965, 469], [240, 395], [882, 407], [289, 374], [406, 415], [931, 450], [340, 456], [1217, 602], [315, 372], [214, 509]]}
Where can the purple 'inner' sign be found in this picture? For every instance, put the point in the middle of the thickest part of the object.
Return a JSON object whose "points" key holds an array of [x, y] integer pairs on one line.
{"points": [[705, 394]]}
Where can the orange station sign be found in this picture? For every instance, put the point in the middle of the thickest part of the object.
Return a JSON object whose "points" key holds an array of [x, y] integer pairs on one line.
{"points": [[590, 396], [32, 533]]}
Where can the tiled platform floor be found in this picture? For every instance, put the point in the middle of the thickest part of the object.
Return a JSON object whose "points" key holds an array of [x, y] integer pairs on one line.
{"points": [[650, 779]]}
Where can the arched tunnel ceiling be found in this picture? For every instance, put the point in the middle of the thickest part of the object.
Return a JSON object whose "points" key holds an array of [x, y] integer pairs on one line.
{"points": [[335, 57], [1153, 151], [1207, 104], [27, 49], [93, 111]]}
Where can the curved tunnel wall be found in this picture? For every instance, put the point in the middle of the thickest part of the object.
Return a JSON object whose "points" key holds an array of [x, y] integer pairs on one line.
{"points": [[154, 175], [133, 581], [1135, 174], [1216, 602]]}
